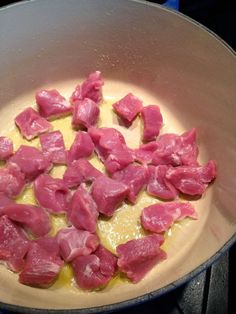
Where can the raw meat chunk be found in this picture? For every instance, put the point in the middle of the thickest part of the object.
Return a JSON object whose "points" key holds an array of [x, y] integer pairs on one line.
{"points": [[82, 147], [137, 257], [83, 210], [120, 157], [85, 113], [135, 177], [12, 180], [128, 108], [144, 153], [52, 194], [74, 242], [4, 201], [160, 217], [176, 150], [91, 88], [6, 148], [108, 194], [31, 161], [152, 120], [158, 184], [51, 104], [105, 140], [13, 244], [32, 218], [95, 270], [31, 124], [192, 180], [79, 171], [43, 263], [53, 147]]}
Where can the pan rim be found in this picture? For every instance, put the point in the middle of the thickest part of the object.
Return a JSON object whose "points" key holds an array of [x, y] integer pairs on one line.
{"points": [[156, 293]]}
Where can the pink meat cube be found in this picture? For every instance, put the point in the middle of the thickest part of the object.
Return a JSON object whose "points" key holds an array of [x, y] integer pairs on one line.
{"points": [[52, 194], [144, 153], [105, 140], [176, 150], [135, 177], [137, 257], [159, 185], [95, 270], [12, 180], [34, 219], [128, 108], [152, 120], [85, 113], [53, 147], [79, 171], [43, 263], [91, 88], [161, 216], [108, 194], [83, 212], [6, 148], [51, 104], [4, 201], [74, 242], [82, 147], [13, 244], [31, 161], [120, 157], [31, 124], [192, 180]]}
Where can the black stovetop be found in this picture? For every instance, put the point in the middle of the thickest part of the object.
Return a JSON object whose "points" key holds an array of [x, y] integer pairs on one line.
{"points": [[213, 290]]}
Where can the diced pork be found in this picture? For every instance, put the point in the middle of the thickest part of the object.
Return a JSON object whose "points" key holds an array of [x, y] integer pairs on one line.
{"points": [[176, 150], [31, 124], [74, 242], [135, 177], [152, 120], [34, 219], [13, 244], [82, 147], [91, 88], [137, 257], [83, 212], [192, 180], [53, 147], [51, 104], [120, 157], [52, 194], [12, 180], [4, 201], [79, 171], [108, 194], [31, 161], [105, 140], [128, 108], [159, 185], [85, 113], [160, 217], [43, 263], [144, 153], [95, 270], [6, 148]]}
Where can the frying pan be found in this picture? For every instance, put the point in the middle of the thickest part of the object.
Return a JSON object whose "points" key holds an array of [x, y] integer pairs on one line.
{"points": [[165, 58]]}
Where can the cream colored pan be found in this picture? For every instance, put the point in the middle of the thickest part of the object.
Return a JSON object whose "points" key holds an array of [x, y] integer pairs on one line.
{"points": [[164, 58]]}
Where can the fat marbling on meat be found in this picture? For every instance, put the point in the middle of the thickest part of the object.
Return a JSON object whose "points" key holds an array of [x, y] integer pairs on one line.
{"points": [[85, 113], [74, 242]]}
